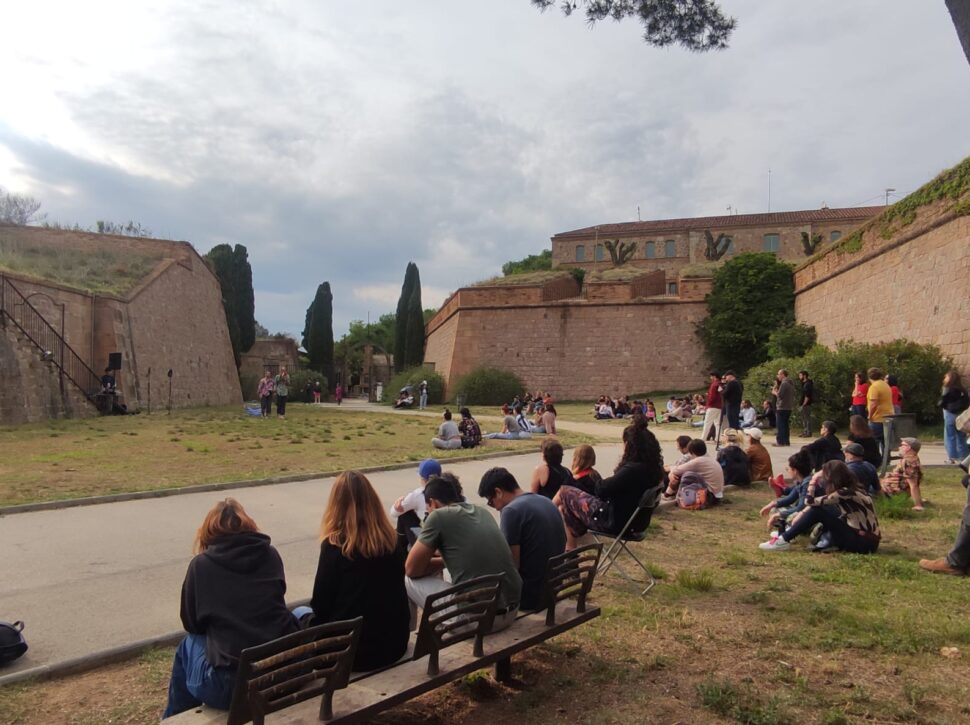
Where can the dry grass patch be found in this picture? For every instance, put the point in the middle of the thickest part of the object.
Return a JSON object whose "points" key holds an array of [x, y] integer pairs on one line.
{"points": [[76, 458]]}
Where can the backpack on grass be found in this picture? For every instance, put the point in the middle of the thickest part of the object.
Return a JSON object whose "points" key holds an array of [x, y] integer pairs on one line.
{"points": [[12, 643], [693, 494]]}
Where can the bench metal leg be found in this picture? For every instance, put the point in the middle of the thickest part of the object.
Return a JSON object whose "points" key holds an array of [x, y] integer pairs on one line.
{"points": [[503, 670]]}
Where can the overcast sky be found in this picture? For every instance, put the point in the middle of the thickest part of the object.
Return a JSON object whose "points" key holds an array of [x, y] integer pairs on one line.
{"points": [[340, 140]]}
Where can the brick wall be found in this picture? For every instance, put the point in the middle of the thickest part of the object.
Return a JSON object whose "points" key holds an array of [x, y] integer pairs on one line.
{"points": [[576, 349], [914, 286], [649, 284]]}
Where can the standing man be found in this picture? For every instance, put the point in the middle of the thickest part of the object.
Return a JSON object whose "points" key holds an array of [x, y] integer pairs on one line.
{"points": [[713, 405], [423, 400], [879, 402], [808, 399], [733, 392], [532, 526], [282, 392], [784, 392]]}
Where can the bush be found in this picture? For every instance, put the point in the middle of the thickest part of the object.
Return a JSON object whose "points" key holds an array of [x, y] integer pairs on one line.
{"points": [[791, 341], [299, 379], [919, 369], [414, 376], [488, 386]]}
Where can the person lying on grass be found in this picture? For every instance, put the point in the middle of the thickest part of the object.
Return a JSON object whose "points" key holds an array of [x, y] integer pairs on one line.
{"points": [[907, 476], [842, 507]]}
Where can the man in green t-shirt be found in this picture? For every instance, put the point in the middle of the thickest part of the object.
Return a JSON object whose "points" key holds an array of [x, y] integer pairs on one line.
{"points": [[464, 538]]}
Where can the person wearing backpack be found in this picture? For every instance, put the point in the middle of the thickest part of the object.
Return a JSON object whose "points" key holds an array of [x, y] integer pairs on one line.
{"points": [[703, 465]]}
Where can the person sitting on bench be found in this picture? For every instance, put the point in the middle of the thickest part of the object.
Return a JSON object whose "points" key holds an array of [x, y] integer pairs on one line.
{"points": [[550, 475], [532, 527], [232, 598], [464, 538], [409, 511], [361, 573]]}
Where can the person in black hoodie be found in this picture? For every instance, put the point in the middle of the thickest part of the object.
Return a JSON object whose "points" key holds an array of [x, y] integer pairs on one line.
{"points": [[232, 598], [826, 447]]}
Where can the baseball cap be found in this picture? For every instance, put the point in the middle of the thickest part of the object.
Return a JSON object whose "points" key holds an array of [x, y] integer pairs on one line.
{"points": [[429, 467], [855, 449], [755, 433]]}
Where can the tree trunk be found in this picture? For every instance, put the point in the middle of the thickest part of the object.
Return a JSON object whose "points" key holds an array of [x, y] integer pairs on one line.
{"points": [[960, 13]]}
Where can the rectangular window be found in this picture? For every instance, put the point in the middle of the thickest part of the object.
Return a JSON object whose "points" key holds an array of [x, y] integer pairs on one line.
{"points": [[835, 236], [730, 246], [671, 288], [599, 254], [580, 252], [772, 242], [670, 248], [650, 250]]}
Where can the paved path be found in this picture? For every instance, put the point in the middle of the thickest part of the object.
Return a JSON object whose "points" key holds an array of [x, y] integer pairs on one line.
{"points": [[91, 578]]}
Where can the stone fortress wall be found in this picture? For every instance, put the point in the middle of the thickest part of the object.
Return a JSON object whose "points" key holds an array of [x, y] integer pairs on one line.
{"points": [[170, 318], [913, 285]]}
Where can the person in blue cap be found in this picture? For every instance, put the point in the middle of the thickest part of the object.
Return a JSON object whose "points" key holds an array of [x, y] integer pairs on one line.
{"points": [[410, 509]]}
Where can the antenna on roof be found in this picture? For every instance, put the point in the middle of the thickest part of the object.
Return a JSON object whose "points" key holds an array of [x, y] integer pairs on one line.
{"points": [[769, 189], [638, 214], [888, 192]]}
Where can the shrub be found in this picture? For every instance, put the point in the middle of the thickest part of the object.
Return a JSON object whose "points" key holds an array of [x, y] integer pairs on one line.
{"points": [[414, 376], [791, 341], [299, 379], [919, 369], [488, 386]]}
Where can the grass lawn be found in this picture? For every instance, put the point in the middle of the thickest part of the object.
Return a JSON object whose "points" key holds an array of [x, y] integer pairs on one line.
{"points": [[75, 458], [730, 634]]}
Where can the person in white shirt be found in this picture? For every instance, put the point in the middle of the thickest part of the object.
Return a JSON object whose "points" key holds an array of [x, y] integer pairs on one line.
{"points": [[409, 510], [749, 415]]}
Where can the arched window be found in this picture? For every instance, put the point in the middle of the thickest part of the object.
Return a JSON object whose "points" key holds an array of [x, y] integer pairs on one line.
{"points": [[650, 250], [835, 236], [670, 248], [772, 242], [580, 252]]}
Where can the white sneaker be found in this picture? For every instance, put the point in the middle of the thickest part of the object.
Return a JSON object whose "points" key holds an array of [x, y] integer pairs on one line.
{"points": [[775, 543]]}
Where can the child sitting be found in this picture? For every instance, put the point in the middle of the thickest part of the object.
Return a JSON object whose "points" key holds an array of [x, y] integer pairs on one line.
{"points": [[907, 476]]}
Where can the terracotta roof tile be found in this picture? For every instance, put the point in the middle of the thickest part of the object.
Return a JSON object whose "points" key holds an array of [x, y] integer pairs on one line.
{"points": [[859, 213]]}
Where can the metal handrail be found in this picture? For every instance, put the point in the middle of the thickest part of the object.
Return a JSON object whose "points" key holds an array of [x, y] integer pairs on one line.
{"points": [[52, 345]]}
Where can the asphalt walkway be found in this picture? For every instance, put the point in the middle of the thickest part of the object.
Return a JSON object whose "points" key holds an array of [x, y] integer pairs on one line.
{"points": [[90, 579]]}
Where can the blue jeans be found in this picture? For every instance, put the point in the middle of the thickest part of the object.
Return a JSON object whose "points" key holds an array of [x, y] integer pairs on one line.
{"points": [[879, 434], [954, 441], [195, 682]]}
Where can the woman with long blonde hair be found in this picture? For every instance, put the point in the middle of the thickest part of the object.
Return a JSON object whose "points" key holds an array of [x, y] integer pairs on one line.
{"points": [[361, 572], [232, 598]]}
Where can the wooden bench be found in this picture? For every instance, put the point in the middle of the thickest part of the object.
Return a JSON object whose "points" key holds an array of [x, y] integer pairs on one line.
{"points": [[305, 677]]}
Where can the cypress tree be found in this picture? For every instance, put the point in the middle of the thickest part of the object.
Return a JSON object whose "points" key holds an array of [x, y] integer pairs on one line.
{"points": [[400, 325], [245, 299], [220, 259], [318, 332], [414, 340]]}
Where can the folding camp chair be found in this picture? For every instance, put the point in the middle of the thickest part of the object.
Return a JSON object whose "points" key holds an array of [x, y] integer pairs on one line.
{"points": [[635, 529]]}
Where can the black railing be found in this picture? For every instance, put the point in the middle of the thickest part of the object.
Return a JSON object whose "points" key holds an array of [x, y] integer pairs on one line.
{"points": [[49, 342]]}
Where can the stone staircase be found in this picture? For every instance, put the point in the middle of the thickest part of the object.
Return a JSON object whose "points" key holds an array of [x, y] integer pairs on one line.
{"points": [[31, 389]]}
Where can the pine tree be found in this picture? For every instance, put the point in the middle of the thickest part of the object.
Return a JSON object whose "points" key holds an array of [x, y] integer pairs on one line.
{"points": [[318, 332]]}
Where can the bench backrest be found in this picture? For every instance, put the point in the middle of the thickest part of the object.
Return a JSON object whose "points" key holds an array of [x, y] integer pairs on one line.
{"points": [[571, 574], [455, 614], [300, 666]]}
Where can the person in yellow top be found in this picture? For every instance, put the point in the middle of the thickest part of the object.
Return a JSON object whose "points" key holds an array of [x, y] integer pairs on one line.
{"points": [[879, 402]]}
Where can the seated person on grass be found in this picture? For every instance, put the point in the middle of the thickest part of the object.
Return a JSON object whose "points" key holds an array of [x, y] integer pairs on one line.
{"points": [[471, 433], [449, 437], [532, 526], [827, 447], [603, 410], [766, 418], [464, 538], [836, 500], [510, 428], [907, 475], [759, 460], [855, 459], [546, 421], [749, 416], [782, 509], [733, 460], [703, 465], [550, 475]]}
